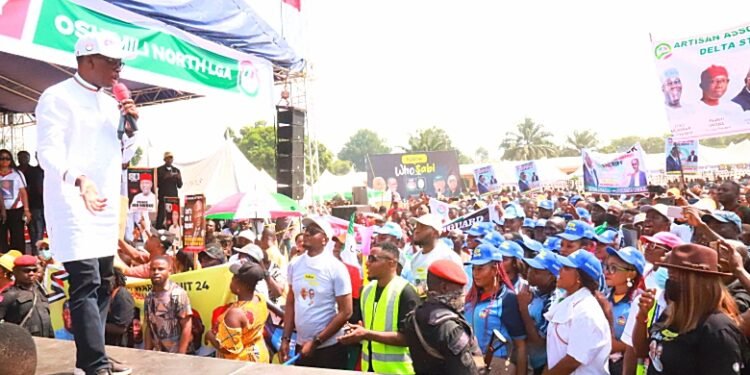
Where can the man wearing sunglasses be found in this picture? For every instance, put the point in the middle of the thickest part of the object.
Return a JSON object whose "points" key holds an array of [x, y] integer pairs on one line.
{"points": [[383, 349], [80, 152], [24, 303]]}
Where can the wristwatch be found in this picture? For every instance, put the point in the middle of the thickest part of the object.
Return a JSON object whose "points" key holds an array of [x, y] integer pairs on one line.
{"points": [[317, 341]]}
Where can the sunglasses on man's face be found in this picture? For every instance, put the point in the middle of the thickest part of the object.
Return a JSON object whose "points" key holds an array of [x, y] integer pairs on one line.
{"points": [[375, 258], [313, 231]]}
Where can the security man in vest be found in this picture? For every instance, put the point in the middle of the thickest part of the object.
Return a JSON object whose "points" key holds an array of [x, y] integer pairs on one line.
{"points": [[25, 303], [440, 340], [385, 301]]}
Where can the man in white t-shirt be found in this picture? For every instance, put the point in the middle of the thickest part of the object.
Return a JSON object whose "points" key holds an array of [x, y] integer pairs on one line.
{"points": [[319, 301], [426, 238]]}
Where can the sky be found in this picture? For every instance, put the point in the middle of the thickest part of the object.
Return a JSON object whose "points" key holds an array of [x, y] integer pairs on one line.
{"points": [[473, 68]]}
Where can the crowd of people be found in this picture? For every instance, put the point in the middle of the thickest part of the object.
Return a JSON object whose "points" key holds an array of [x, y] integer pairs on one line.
{"points": [[559, 283]]}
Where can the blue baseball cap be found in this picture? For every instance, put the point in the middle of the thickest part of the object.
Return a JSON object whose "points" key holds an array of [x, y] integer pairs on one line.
{"points": [[529, 223], [540, 223], [545, 260], [483, 254], [630, 255], [608, 237], [575, 199], [583, 213], [514, 211], [390, 228], [529, 244], [479, 229], [493, 238], [577, 229], [553, 244], [724, 217], [547, 205], [584, 261], [511, 249]]}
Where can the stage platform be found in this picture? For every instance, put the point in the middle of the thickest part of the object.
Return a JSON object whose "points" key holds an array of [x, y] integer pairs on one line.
{"points": [[57, 357]]}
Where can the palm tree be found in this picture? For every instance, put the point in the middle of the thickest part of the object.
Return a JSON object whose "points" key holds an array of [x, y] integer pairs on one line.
{"points": [[431, 139], [529, 142], [580, 140]]}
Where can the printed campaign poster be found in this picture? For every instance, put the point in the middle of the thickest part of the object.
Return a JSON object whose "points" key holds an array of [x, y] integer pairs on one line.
{"points": [[485, 179], [527, 178], [625, 174], [681, 156], [194, 223], [434, 173], [142, 189], [173, 216], [703, 80]]}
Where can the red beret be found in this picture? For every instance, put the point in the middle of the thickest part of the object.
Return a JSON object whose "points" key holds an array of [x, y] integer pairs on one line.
{"points": [[448, 270], [25, 261], [146, 177]]}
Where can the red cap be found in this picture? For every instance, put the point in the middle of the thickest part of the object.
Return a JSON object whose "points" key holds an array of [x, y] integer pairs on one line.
{"points": [[147, 177], [714, 71], [448, 270], [25, 261]]}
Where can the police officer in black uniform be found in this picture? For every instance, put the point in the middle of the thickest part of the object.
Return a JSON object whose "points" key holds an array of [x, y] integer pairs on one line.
{"points": [[439, 338], [25, 303]]}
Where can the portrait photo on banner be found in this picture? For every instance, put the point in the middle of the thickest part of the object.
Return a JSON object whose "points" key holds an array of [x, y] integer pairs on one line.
{"points": [[142, 189], [705, 82], [527, 177], [681, 156], [194, 223], [623, 174], [485, 179]]}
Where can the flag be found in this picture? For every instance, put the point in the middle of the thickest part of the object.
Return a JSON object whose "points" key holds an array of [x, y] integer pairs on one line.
{"points": [[439, 208], [349, 252], [294, 3]]}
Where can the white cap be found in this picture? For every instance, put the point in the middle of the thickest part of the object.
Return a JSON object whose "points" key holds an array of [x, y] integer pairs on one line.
{"points": [[320, 222], [641, 217], [429, 220], [100, 43], [661, 209], [253, 250], [248, 235]]}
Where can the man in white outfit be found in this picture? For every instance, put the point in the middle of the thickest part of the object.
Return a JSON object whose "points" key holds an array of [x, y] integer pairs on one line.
{"points": [[80, 153]]}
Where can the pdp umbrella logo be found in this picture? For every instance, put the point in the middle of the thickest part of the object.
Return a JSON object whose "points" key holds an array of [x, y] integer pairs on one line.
{"points": [[248, 79], [663, 51]]}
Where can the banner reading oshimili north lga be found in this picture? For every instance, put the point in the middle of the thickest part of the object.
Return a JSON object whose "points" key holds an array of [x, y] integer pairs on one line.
{"points": [[682, 156], [623, 174], [703, 81], [47, 30]]}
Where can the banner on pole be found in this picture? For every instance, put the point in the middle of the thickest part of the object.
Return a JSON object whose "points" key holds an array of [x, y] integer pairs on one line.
{"points": [[681, 155], [625, 174], [194, 223], [485, 179], [704, 82], [142, 189], [527, 178]]}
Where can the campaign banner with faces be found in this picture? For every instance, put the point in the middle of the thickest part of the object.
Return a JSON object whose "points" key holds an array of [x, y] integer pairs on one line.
{"points": [[682, 156], [172, 215], [194, 223], [142, 189], [434, 173], [485, 179], [624, 174], [705, 81], [528, 179]]}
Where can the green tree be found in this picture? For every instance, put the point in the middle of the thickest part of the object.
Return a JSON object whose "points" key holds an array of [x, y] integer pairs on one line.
{"points": [[340, 167], [463, 158], [258, 144], [721, 142], [137, 156], [430, 139], [359, 145], [651, 145], [529, 142], [482, 155], [577, 141]]}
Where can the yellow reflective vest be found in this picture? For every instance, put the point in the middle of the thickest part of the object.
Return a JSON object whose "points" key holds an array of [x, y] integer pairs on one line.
{"points": [[383, 317]]}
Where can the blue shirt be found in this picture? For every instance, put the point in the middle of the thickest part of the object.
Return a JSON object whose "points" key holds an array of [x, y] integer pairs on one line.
{"points": [[539, 305], [499, 312], [620, 312]]}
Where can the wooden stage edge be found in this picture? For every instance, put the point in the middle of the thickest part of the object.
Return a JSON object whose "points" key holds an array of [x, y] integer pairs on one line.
{"points": [[57, 357]]}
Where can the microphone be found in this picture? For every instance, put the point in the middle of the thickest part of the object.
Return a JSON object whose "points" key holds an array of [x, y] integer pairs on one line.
{"points": [[121, 93]]}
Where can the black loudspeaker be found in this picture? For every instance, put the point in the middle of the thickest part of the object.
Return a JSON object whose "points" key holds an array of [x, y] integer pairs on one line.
{"points": [[345, 212], [359, 195], [290, 152]]}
